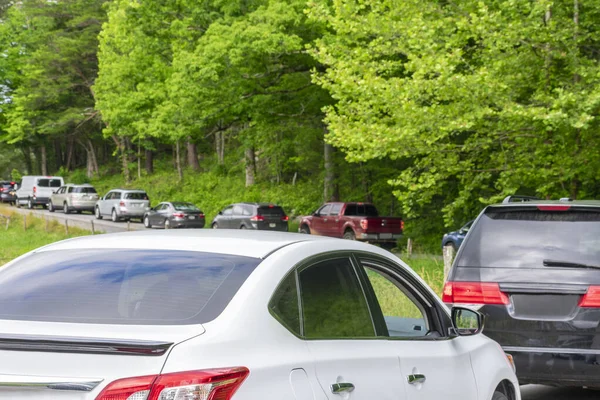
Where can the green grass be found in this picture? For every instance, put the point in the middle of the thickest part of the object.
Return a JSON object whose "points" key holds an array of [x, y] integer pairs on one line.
{"points": [[16, 240]]}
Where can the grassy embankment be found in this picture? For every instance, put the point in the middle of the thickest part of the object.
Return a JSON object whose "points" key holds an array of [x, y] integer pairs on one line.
{"points": [[16, 240]]}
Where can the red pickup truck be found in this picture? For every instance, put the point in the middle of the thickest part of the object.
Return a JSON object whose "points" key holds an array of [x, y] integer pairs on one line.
{"points": [[354, 221]]}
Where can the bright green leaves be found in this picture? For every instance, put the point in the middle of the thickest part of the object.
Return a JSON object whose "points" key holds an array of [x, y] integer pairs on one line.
{"points": [[484, 98]]}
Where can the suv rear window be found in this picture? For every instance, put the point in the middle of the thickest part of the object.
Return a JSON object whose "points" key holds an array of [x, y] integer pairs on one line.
{"points": [[362, 210], [272, 211], [114, 286], [136, 196], [49, 183], [84, 189], [524, 238]]}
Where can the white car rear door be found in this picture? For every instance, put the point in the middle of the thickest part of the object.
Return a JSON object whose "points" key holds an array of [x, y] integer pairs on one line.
{"points": [[351, 363], [433, 366]]}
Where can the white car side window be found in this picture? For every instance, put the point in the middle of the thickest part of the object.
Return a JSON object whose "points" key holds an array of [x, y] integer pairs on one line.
{"points": [[404, 316]]}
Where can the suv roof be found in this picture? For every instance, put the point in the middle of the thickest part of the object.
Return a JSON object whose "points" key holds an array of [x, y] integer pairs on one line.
{"points": [[519, 201]]}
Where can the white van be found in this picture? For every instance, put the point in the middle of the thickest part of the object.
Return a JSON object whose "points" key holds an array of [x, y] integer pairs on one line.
{"points": [[36, 190]]}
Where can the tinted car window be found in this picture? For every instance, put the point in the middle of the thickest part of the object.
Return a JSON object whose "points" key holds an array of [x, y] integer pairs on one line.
{"points": [[70, 189], [525, 238], [185, 207], [333, 303], [49, 183], [284, 304], [143, 287], [361, 210], [271, 211], [136, 196], [227, 211], [84, 189], [248, 210]]}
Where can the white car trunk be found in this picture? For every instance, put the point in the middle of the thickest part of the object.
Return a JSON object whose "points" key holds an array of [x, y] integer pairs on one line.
{"points": [[78, 360]]}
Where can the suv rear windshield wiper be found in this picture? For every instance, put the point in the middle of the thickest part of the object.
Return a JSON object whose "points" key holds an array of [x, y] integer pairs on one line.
{"points": [[567, 264]]}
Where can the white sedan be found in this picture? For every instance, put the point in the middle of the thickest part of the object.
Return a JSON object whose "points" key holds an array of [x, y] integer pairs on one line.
{"points": [[217, 315]]}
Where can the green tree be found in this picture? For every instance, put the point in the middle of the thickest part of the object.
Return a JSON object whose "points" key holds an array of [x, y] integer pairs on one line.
{"points": [[482, 98]]}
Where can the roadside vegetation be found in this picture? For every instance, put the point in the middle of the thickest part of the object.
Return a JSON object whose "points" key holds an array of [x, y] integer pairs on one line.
{"points": [[17, 241], [430, 109]]}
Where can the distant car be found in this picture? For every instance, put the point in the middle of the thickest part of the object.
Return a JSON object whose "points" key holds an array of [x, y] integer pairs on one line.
{"points": [[532, 267], [72, 197], [261, 216], [456, 238], [8, 192], [353, 221], [36, 190], [174, 215], [207, 315], [123, 204]]}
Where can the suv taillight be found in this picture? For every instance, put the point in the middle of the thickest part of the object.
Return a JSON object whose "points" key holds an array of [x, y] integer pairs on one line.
{"points": [[285, 218], [474, 293], [178, 215], [364, 224], [210, 384], [257, 218], [34, 190], [122, 203], [592, 298]]}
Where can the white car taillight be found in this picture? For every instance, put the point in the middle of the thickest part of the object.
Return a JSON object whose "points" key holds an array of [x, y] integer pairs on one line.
{"points": [[210, 384]]}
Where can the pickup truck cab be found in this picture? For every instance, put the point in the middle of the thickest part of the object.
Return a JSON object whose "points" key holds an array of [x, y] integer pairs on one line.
{"points": [[353, 221]]}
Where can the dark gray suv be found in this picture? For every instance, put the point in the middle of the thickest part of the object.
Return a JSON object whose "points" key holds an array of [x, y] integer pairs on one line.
{"points": [[533, 268], [262, 216]]}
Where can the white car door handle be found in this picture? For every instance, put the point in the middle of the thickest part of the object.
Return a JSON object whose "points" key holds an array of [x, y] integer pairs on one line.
{"points": [[337, 388], [416, 378]]}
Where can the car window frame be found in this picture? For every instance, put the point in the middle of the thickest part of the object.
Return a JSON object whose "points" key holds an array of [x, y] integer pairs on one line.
{"points": [[438, 320], [320, 211], [239, 208], [334, 205], [305, 264], [227, 208]]}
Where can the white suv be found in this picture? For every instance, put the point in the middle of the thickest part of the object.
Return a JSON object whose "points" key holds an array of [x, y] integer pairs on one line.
{"points": [[76, 198]]}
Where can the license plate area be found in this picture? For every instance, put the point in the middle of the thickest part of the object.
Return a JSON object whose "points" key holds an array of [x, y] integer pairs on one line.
{"points": [[385, 235], [272, 225], [192, 217], [544, 306]]}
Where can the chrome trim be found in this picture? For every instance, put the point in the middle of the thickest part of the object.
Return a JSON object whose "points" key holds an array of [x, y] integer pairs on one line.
{"points": [[342, 387], [49, 382], [415, 378], [68, 344], [553, 350]]}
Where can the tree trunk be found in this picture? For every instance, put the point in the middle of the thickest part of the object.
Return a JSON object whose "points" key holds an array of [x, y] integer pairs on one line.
{"points": [[178, 161], [149, 161], [139, 160], [44, 160], [192, 155], [330, 192], [27, 158], [124, 159], [59, 159], [250, 166], [69, 159], [95, 167], [220, 144]]}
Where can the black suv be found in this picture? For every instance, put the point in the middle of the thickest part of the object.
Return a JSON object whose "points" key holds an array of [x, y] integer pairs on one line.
{"points": [[7, 192], [533, 268], [262, 216]]}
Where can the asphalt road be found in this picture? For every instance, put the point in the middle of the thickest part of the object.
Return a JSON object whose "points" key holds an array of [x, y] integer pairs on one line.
{"points": [[83, 221], [537, 392]]}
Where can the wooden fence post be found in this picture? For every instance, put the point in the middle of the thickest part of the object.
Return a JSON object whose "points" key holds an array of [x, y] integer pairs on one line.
{"points": [[67, 226], [128, 225], [7, 222], [409, 247], [93, 230], [448, 253]]}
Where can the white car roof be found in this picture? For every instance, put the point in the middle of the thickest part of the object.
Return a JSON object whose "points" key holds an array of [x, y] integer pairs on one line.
{"points": [[257, 244]]}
